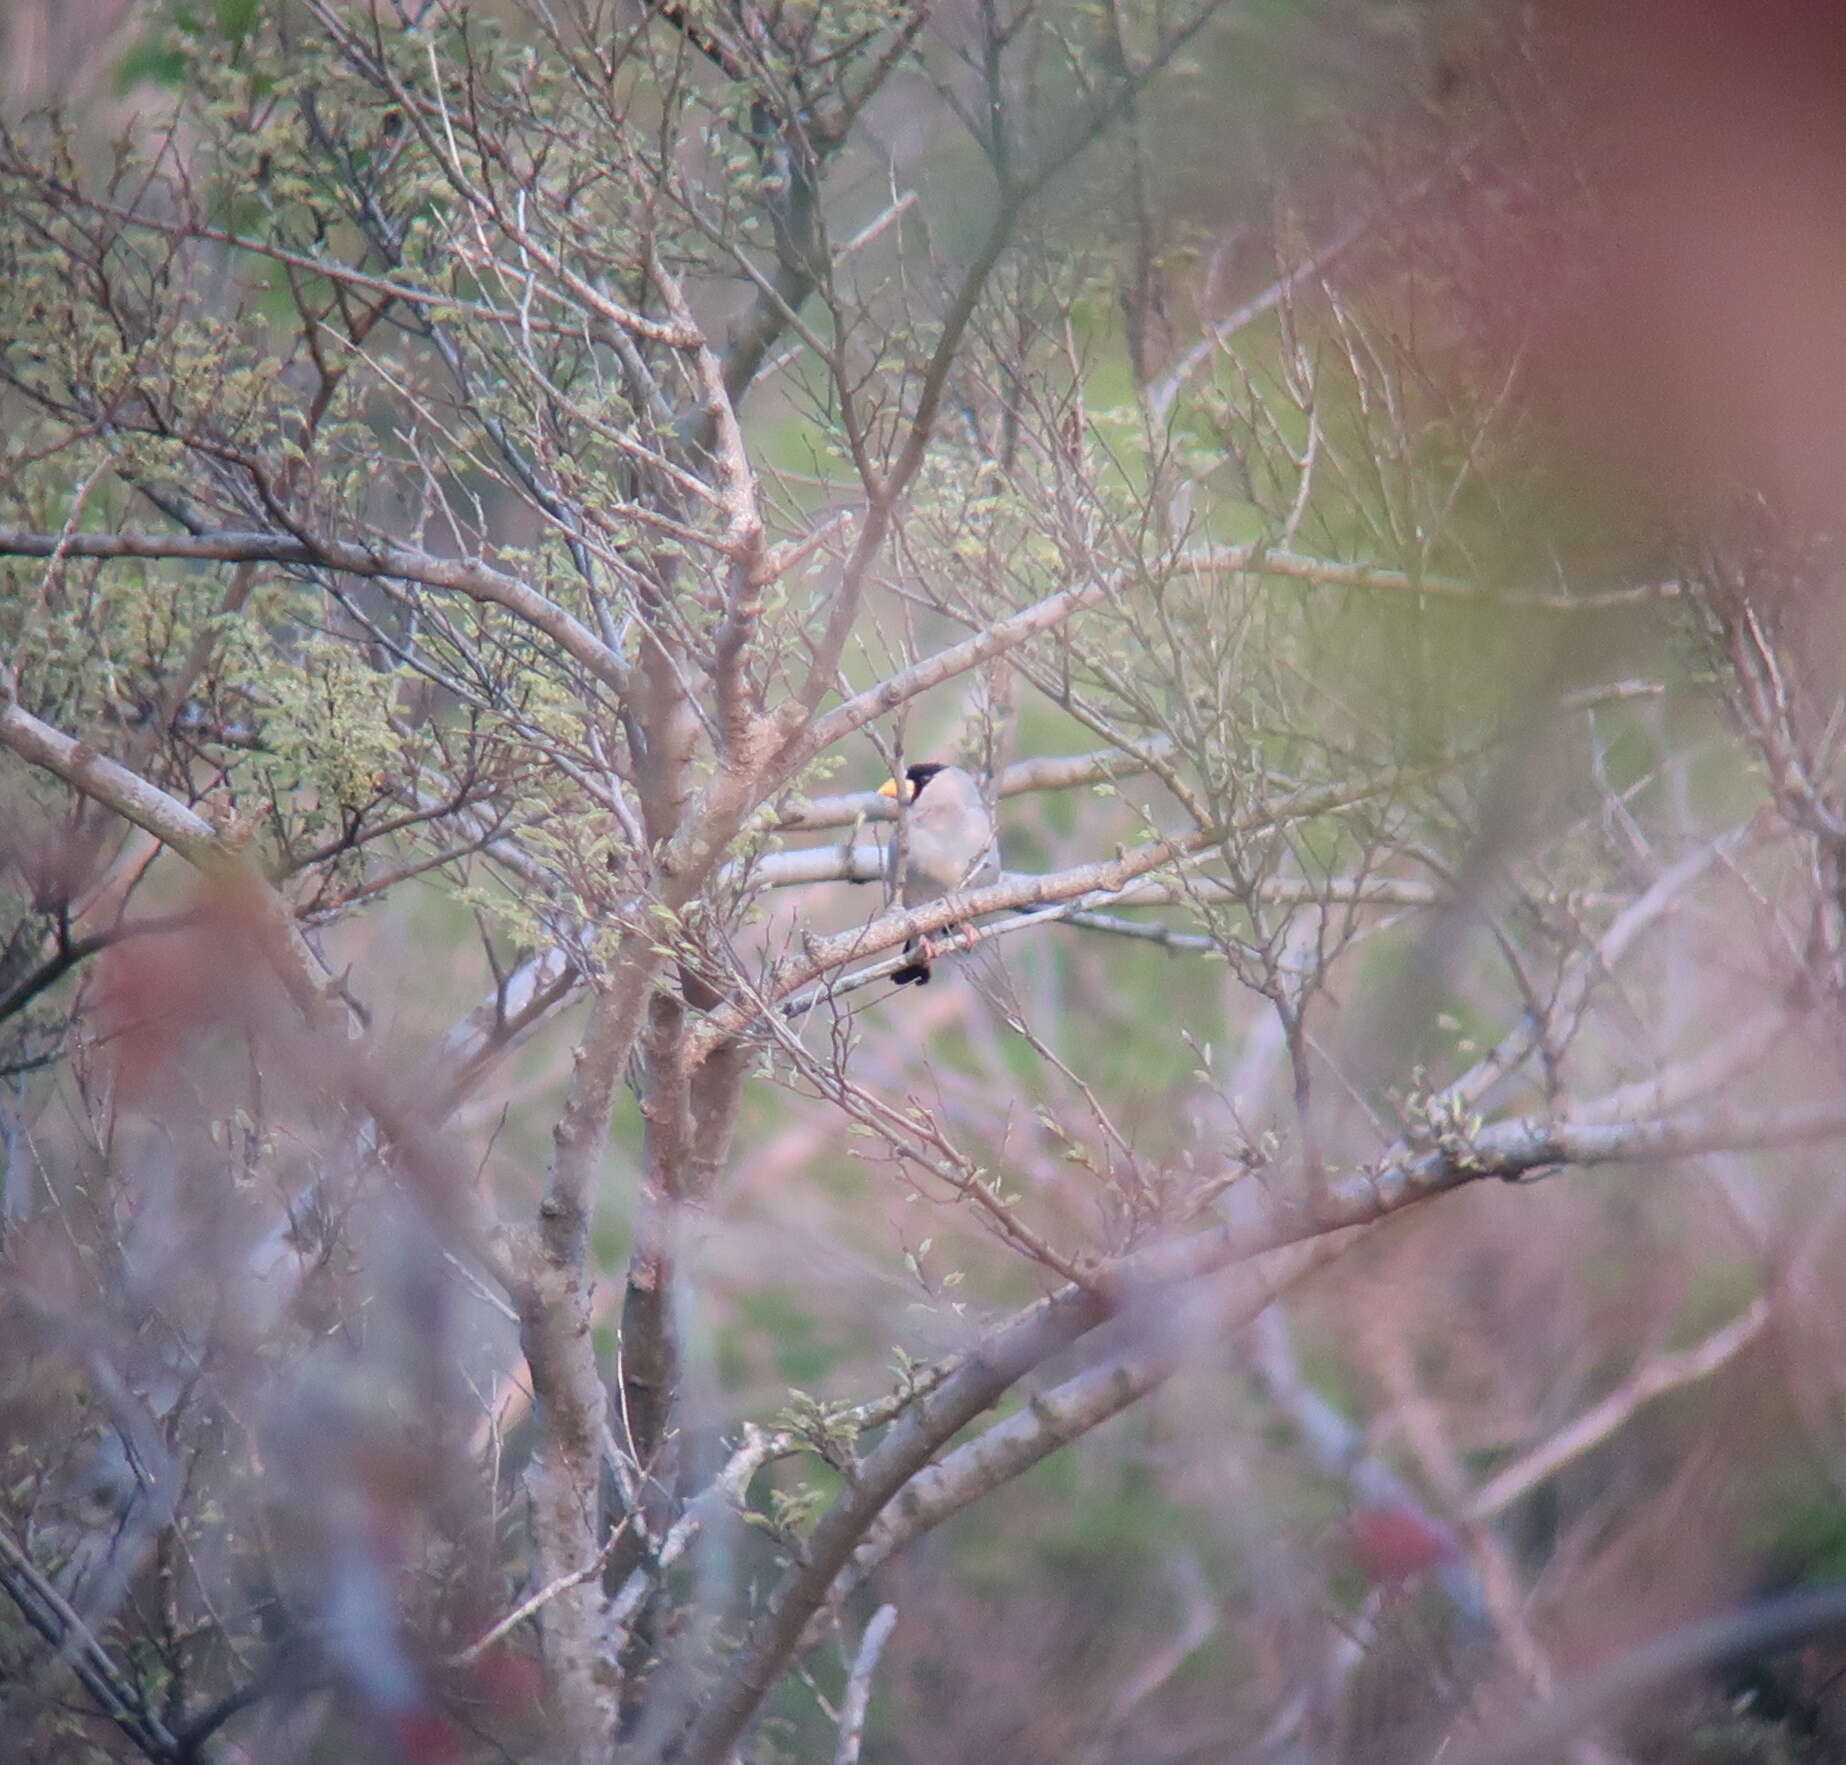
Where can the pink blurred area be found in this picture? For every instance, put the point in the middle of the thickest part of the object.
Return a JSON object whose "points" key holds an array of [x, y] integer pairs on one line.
{"points": [[1706, 339], [60, 49]]}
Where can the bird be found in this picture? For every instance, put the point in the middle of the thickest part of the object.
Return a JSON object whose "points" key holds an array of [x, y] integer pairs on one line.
{"points": [[948, 842]]}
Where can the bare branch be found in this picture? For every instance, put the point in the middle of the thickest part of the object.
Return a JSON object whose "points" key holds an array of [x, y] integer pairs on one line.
{"points": [[96, 776], [1052, 1419], [1653, 1378], [53, 1617], [1764, 1629], [480, 582], [858, 1698], [528, 1608]]}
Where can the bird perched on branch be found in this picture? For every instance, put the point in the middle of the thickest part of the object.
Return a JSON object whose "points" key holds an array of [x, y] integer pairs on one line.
{"points": [[947, 842]]}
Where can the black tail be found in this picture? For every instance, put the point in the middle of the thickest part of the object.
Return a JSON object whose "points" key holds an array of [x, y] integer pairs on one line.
{"points": [[911, 971]]}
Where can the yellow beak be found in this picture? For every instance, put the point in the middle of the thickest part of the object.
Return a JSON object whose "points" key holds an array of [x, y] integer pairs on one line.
{"points": [[891, 788]]}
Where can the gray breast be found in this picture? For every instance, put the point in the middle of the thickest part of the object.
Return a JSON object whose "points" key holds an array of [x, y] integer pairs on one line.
{"points": [[948, 839]]}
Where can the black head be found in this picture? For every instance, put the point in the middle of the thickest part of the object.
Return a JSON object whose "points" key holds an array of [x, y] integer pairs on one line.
{"points": [[919, 776]]}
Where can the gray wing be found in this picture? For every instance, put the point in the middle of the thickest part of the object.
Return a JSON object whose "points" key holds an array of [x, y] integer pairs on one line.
{"points": [[950, 839]]}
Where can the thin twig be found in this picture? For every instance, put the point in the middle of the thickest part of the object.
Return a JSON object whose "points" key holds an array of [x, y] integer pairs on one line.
{"points": [[854, 1704]]}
